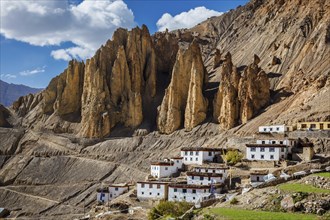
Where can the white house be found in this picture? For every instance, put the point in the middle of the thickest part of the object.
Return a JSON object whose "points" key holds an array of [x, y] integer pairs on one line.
{"points": [[258, 175], [102, 195], [166, 168], [274, 129], [266, 152], [152, 190], [218, 169], [197, 155], [191, 193], [116, 190], [289, 142], [198, 178]]}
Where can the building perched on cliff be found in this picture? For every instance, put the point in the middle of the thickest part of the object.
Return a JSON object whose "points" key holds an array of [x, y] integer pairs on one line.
{"points": [[166, 168], [198, 155], [266, 151]]}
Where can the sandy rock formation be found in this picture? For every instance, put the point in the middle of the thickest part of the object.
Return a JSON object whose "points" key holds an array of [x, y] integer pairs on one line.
{"points": [[4, 115], [240, 97], [184, 96], [217, 59]]}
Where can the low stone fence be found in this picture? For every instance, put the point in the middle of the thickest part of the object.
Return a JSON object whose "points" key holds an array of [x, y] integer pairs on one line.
{"points": [[309, 134]]}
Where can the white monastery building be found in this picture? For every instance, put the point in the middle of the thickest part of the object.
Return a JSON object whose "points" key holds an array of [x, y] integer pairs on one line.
{"points": [[257, 176], [198, 155], [206, 169], [190, 193], [197, 178], [166, 168], [152, 190], [274, 129], [266, 152], [113, 191]]}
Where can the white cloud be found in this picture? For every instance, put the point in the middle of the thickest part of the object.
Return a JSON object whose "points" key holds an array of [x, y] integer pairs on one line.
{"points": [[87, 25], [7, 76], [185, 19], [32, 72]]}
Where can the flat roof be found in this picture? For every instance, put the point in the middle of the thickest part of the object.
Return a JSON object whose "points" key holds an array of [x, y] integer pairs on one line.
{"points": [[191, 186], [162, 163], [313, 122], [271, 125], [266, 145], [204, 174], [259, 172], [153, 182], [119, 185], [212, 167], [103, 190], [177, 158], [202, 149]]}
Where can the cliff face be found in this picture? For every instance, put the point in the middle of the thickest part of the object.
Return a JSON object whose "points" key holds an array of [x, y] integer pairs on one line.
{"points": [[184, 102], [125, 82]]}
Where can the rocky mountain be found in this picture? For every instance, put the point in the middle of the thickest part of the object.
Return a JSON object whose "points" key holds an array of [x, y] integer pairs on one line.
{"points": [[141, 97], [11, 92]]}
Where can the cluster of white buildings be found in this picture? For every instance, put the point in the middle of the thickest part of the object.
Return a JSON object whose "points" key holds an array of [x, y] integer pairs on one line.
{"points": [[111, 192], [201, 183]]}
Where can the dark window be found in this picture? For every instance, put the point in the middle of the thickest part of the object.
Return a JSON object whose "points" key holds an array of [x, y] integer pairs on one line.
{"points": [[191, 153], [210, 153], [142, 185], [262, 156], [273, 142], [257, 178], [304, 126], [253, 149], [158, 186], [196, 158], [209, 178], [281, 142], [206, 170], [150, 186], [262, 149], [328, 125], [185, 158], [111, 195], [191, 158], [184, 190], [196, 153], [271, 149], [201, 178], [194, 191], [192, 177], [283, 156], [157, 194], [116, 189], [184, 197], [252, 156], [282, 149], [271, 156], [186, 153], [166, 168], [175, 190], [277, 129], [193, 198], [263, 142], [270, 129], [150, 193], [142, 193], [213, 171], [265, 129], [313, 125], [175, 197]]}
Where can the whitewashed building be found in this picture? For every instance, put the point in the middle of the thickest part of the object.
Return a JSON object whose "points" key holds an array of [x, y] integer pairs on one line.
{"points": [[102, 195], [166, 168], [274, 129], [198, 178], [198, 155], [206, 169], [273, 152], [116, 190], [257, 176], [191, 193], [152, 190]]}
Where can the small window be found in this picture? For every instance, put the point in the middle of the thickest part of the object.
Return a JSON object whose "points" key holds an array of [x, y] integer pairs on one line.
{"points": [[253, 149], [313, 125], [328, 125], [265, 129], [271, 129], [184, 190], [281, 142], [193, 198], [150, 193], [175, 190], [166, 168], [158, 194], [210, 153], [192, 177], [252, 156], [213, 171], [177, 161], [209, 178], [194, 191], [191, 159], [272, 149], [184, 197], [191, 153], [142, 185], [201, 178], [196, 158], [206, 170], [150, 186], [277, 129], [263, 142], [282, 156], [185, 158], [262, 156], [111, 195], [304, 126], [282, 149], [142, 193], [262, 149], [271, 157], [186, 153], [196, 153], [273, 142], [175, 197], [158, 186]]}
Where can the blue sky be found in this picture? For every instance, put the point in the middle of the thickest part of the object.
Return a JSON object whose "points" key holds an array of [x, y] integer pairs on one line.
{"points": [[39, 37]]}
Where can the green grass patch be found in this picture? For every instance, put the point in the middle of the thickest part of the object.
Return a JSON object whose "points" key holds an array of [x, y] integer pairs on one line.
{"points": [[241, 214], [299, 187], [324, 174]]}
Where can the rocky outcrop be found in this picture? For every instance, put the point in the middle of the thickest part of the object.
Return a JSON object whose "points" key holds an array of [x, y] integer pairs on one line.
{"points": [[184, 102], [117, 79], [4, 115], [217, 59], [226, 103], [240, 97]]}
